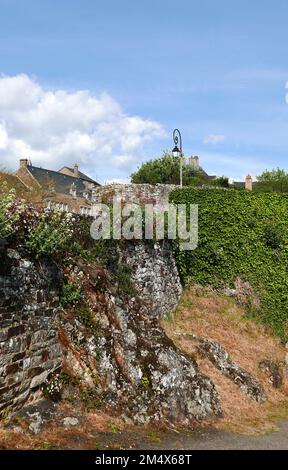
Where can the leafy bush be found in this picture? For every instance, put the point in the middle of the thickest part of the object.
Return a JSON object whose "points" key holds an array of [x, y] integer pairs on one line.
{"points": [[273, 234], [9, 211], [166, 170], [50, 235], [274, 180], [125, 284], [221, 181], [71, 295], [241, 235]]}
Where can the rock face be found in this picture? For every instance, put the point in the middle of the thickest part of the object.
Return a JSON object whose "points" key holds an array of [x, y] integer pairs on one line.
{"points": [[220, 358], [274, 372], [112, 342], [29, 345], [155, 276], [130, 360]]}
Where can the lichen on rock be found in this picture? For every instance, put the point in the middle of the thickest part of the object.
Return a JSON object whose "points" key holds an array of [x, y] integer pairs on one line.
{"points": [[139, 370], [220, 358]]}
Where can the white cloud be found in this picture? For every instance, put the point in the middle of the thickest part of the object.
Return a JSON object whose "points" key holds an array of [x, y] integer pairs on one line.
{"points": [[56, 127], [214, 139]]}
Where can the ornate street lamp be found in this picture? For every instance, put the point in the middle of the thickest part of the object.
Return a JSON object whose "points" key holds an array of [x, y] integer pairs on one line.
{"points": [[177, 152]]}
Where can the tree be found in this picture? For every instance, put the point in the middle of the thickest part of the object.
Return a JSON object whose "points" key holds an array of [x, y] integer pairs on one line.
{"points": [[166, 170], [274, 180]]}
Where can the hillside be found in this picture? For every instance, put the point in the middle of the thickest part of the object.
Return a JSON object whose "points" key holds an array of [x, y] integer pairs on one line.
{"points": [[206, 314], [243, 246]]}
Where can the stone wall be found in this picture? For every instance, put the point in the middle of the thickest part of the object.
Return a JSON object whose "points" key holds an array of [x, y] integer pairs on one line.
{"points": [[134, 193], [30, 349], [29, 345]]}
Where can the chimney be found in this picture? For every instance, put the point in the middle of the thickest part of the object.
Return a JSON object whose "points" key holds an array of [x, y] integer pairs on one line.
{"points": [[76, 170], [248, 183], [24, 162]]}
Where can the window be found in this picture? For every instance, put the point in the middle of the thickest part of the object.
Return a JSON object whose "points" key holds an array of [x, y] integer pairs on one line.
{"points": [[85, 211]]}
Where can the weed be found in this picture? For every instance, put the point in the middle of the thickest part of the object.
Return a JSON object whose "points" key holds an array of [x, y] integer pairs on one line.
{"points": [[145, 381]]}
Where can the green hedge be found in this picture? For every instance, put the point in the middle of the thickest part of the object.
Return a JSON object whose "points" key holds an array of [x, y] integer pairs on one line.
{"points": [[242, 235]]}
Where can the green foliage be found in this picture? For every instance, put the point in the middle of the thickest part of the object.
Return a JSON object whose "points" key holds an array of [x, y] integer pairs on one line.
{"points": [[145, 381], [90, 399], [125, 284], [67, 379], [274, 180], [8, 214], [50, 235], [221, 181], [241, 234], [166, 170], [273, 234], [162, 170], [70, 295], [87, 318]]}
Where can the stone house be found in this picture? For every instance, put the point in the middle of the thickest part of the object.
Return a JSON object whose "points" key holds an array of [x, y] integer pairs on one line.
{"points": [[66, 190]]}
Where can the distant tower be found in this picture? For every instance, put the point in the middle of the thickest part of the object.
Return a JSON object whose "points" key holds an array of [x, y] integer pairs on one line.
{"points": [[194, 163], [248, 183]]}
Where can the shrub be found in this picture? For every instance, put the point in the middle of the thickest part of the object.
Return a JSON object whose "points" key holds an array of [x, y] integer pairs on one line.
{"points": [[166, 170], [125, 284], [9, 211], [50, 235], [238, 234], [273, 234], [71, 295]]}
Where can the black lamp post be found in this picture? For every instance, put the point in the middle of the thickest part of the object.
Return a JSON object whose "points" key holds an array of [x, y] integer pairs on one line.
{"points": [[177, 152]]}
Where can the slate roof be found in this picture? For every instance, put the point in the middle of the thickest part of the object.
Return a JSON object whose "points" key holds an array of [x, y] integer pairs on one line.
{"points": [[61, 183], [82, 176]]}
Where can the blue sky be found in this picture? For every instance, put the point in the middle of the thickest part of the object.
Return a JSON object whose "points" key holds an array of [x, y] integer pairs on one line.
{"points": [[217, 70]]}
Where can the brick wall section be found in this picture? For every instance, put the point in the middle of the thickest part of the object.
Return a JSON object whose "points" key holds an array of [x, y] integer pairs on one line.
{"points": [[29, 346], [134, 193]]}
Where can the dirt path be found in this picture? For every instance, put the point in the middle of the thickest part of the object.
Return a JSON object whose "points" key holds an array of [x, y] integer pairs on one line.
{"points": [[195, 440], [214, 440]]}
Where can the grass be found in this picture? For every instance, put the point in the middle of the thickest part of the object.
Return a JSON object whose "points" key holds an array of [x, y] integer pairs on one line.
{"points": [[204, 313], [153, 437], [43, 445]]}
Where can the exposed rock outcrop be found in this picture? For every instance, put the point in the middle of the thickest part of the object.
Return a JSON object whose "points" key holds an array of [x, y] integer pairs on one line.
{"points": [[128, 357], [220, 358], [155, 276], [112, 342], [273, 370]]}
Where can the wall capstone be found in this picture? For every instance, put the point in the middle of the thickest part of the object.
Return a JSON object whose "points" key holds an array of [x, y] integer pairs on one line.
{"points": [[134, 193]]}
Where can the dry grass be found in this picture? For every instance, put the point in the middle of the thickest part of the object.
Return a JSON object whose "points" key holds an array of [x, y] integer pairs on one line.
{"points": [[56, 436], [203, 313]]}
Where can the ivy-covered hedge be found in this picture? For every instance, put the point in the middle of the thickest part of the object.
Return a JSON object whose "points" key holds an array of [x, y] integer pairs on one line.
{"points": [[241, 235]]}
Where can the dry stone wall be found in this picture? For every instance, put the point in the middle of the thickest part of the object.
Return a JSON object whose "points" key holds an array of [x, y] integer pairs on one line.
{"points": [[29, 345], [134, 193]]}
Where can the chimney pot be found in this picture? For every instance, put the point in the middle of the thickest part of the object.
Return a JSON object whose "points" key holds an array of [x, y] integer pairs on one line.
{"points": [[24, 162]]}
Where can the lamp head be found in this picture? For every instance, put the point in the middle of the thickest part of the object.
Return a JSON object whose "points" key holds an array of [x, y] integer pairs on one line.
{"points": [[176, 152]]}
